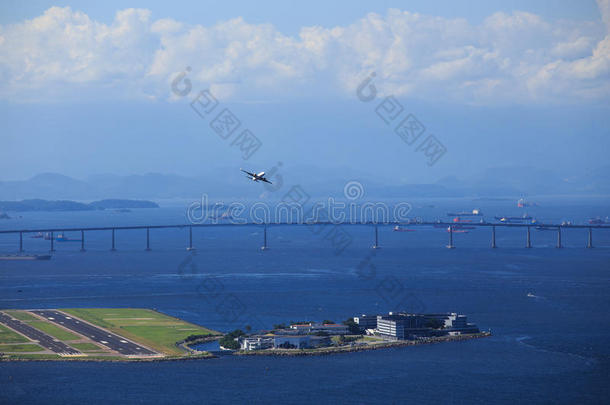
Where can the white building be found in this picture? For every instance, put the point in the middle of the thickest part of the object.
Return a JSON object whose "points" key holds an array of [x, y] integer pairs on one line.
{"points": [[411, 326], [256, 343]]}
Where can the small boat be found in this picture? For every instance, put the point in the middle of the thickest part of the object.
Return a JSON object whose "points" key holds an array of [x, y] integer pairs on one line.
{"points": [[529, 294], [38, 235], [401, 229]]}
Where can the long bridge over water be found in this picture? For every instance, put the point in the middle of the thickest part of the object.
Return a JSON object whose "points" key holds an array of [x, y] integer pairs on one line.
{"points": [[450, 226]]}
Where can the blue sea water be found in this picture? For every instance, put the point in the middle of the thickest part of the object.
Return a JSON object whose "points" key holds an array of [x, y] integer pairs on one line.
{"points": [[550, 346]]}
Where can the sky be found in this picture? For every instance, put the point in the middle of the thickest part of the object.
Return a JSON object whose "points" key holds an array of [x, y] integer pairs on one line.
{"points": [[106, 87]]}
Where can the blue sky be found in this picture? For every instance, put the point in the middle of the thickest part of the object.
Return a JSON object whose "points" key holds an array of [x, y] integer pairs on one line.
{"points": [[288, 16], [86, 86]]}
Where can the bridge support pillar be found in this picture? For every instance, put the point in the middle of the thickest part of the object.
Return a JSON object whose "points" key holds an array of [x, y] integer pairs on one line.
{"points": [[590, 240], [82, 240], [52, 247], [265, 247], [190, 247], [450, 245], [528, 242], [148, 239], [558, 237], [20, 242], [112, 249], [493, 237], [376, 245]]}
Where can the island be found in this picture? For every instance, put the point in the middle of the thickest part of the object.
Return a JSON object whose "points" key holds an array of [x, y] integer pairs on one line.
{"points": [[365, 332], [67, 205]]}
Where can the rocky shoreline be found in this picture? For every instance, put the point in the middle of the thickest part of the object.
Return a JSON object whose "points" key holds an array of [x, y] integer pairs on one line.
{"points": [[349, 349]]}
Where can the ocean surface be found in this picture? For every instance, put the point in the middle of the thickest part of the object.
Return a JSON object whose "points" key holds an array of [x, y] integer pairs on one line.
{"points": [[547, 308]]}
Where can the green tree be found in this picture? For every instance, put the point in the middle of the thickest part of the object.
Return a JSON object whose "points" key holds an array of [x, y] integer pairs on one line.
{"points": [[229, 341], [353, 327]]}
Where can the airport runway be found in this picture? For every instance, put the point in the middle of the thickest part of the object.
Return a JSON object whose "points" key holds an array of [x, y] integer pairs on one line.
{"points": [[44, 340], [108, 339]]}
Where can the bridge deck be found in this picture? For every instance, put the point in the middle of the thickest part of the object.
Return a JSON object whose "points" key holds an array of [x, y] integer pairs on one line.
{"points": [[391, 223]]}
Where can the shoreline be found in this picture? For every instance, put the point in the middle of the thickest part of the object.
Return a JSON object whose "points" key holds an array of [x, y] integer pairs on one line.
{"points": [[350, 349], [270, 352], [98, 360]]}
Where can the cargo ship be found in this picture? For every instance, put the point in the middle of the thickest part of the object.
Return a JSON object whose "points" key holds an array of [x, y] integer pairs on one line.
{"points": [[474, 213], [63, 238], [521, 203], [516, 220], [401, 229], [545, 228], [456, 230]]}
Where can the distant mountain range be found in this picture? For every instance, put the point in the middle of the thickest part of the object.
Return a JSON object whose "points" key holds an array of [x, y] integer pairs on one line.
{"points": [[225, 184], [67, 205]]}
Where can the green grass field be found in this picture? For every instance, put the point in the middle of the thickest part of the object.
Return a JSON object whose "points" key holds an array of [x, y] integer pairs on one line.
{"points": [[21, 315], [86, 347], [28, 347], [150, 328], [53, 330], [33, 356], [8, 336]]}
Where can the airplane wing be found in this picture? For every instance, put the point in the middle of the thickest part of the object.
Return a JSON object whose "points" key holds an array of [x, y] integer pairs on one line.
{"points": [[251, 174], [265, 180]]}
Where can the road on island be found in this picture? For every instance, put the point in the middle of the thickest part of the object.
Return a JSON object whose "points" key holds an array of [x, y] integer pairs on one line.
{"points": [[44, 340], [96, 334]]}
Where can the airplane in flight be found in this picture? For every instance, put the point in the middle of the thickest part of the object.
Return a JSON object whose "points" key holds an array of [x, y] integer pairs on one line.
{"points": [[256, 177]]}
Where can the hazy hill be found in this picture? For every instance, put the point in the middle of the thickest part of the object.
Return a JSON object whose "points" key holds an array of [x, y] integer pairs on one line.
{"points": [[230, 183]]}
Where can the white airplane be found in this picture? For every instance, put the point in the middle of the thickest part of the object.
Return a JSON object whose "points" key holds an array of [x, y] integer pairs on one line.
{"points": [[256, 177]]}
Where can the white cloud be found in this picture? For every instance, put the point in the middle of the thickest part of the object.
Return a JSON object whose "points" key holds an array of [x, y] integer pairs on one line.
{"points": [[516, 57]]}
